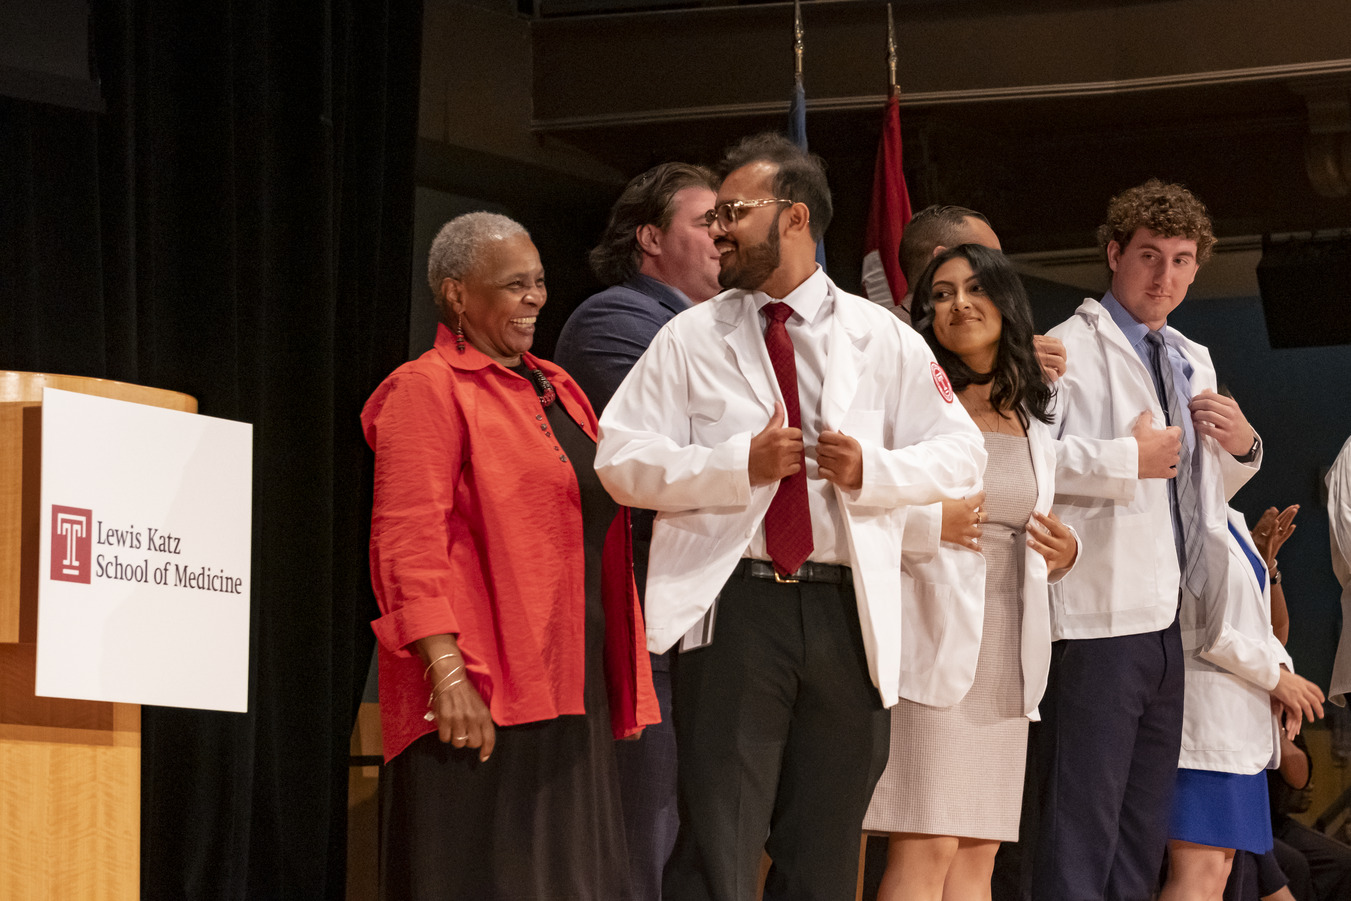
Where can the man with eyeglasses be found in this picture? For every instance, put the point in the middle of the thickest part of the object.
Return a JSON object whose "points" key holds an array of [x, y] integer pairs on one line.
{"points": [[780, 430], [657, 260]]}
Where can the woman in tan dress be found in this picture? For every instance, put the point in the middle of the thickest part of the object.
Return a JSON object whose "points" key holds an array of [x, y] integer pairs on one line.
{"points": [[952, 789]]}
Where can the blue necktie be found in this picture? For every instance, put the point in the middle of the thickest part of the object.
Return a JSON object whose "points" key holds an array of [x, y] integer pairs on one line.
{"points": [[1184, 494]]}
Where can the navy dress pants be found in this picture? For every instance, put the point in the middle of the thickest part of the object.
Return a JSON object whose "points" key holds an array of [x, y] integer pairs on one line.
{"points": [[1107, 754], [782, 738]]}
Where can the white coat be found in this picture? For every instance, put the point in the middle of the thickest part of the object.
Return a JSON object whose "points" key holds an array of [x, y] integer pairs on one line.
{"points": [[1339, 532], [676, 439], [942, 630], [1231, 663], [1127, 577]]}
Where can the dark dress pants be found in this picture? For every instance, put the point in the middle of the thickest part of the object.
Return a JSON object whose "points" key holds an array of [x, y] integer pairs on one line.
{"points": [[647, 787], [781, 738], [1254, 876], [647, 766], [1329, 861], [1107, 751]]}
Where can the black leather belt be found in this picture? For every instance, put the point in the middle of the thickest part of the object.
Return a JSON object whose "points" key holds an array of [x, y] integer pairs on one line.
{"points": [[832, 573]]}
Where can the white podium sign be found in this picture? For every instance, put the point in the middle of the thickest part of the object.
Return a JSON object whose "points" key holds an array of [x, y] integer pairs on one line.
{"points": [[144, 578]]}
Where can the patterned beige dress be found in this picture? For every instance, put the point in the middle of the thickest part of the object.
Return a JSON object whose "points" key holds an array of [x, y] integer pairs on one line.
{"points": [[959, 770]]}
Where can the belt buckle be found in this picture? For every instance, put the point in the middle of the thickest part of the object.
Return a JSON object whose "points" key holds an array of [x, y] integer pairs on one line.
{"points": [[783, 580]]}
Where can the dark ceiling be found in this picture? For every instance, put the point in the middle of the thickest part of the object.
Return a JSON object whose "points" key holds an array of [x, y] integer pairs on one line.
{"points": [[1033, 112]]}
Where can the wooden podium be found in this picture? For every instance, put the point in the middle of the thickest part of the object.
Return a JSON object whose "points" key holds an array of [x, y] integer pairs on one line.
{"points": [[70, 771]]}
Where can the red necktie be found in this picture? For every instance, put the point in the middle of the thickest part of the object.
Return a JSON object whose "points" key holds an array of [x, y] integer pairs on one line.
{"points": [[788, 523]]}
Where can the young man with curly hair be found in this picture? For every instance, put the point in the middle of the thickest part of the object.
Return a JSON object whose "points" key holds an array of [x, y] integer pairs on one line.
{"points": [[1149, 455]]}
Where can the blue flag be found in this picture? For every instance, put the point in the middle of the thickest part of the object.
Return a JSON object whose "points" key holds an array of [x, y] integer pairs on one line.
{"points": [[797, 133]]}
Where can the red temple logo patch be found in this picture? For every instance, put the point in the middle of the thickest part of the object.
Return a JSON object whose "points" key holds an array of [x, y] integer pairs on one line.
{"points": [[71, 543], [941, 381]]}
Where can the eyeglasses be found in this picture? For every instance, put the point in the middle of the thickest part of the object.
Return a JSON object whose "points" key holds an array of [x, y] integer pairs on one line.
{"points": [[727, 214]]}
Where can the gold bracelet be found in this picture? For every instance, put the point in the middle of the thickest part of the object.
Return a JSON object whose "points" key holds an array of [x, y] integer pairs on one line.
{"points": [[428, 670], [457, 668], [447, 688]]}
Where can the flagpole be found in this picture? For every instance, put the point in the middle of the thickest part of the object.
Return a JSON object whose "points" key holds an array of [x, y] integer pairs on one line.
{"points": [[893, 88], [889, 211], [797, 41]]}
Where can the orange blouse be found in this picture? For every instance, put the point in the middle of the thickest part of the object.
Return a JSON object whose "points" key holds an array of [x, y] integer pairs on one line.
{"points": [[477, 531]]}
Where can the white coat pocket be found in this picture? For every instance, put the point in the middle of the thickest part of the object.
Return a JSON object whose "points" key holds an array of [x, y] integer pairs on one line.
{"points": [[941, 625], [1226, 724], [1116, 561]]}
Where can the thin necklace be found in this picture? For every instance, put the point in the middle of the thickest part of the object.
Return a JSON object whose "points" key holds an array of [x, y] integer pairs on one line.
{"points": [[980, 416]]}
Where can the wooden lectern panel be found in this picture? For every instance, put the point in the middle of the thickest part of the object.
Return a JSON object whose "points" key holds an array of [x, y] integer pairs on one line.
{"points": [[70, 770]]}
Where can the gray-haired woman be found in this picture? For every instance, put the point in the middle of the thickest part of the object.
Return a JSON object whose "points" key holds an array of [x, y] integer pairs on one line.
{"points": [[500, 627]]}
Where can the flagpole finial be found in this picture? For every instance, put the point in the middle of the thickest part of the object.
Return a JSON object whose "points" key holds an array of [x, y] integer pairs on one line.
{"points": [[891, 53], [797, 39]]}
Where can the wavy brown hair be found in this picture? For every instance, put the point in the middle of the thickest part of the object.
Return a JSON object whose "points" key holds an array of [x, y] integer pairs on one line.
{"points": [[646, 200]]}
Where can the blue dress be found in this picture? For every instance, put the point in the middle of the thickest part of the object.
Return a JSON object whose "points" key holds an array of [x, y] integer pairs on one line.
{"points": [[1224, 810]]}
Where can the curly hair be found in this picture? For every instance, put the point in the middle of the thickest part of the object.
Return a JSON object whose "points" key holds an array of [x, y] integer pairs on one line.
{"points": [[1017, 383], [1168, 209], [801, 177], [646, 200]]}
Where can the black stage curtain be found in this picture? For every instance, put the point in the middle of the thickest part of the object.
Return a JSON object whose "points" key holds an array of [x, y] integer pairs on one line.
{"points": [[237, 225]]}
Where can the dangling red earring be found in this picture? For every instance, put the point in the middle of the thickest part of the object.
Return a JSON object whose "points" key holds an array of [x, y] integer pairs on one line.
{"points": [[459, 335]]}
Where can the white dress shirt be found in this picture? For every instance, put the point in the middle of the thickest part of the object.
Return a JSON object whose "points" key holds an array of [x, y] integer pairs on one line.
{"points": [[808, 329]]}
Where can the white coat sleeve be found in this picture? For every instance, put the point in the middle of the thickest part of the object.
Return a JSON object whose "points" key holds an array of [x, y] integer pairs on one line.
{"points": [[1253, 659], [1106, 468], [1236, 474], [933, 449], [1255, 656], [1339, 516], [923, 532], [1339, 533], [644, 456]]}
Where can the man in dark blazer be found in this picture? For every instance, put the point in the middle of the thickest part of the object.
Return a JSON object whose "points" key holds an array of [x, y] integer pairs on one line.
{"points": [[658, 260]]}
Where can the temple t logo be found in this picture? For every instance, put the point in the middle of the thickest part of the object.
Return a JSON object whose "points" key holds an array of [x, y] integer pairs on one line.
{"points": [[71, 543]]}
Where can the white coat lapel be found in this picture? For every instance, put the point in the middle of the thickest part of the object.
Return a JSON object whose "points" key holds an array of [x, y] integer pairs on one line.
{"points": [[1239, 555], [1112, 334], [844, 362], [743, 334], [1043, 462]]}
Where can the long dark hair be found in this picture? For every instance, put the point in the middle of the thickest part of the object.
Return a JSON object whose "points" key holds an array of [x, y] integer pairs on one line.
{"points": [[1017, 383]]}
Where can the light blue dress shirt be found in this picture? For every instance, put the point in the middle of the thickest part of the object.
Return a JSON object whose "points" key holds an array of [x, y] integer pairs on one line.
{"points": [[1135, 332]]}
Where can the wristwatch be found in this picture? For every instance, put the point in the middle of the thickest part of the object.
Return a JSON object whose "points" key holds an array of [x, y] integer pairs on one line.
{"points": [[1276, 575], [1251, 455]]}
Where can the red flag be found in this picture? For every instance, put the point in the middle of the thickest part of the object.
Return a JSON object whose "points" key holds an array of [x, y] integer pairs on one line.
{"points": [[883, 280]]}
